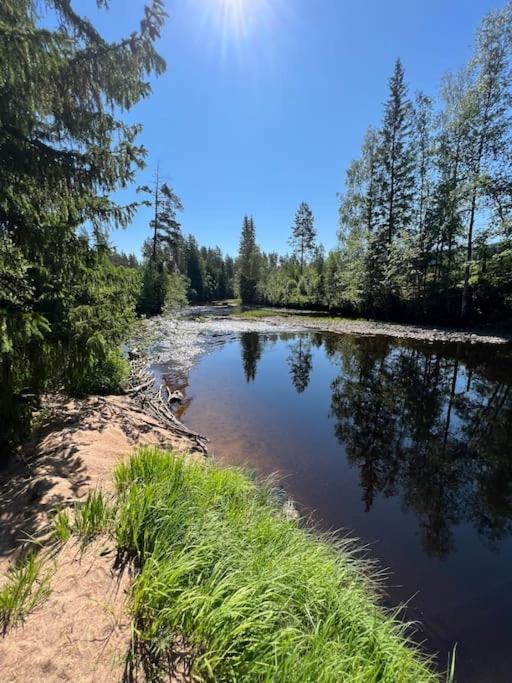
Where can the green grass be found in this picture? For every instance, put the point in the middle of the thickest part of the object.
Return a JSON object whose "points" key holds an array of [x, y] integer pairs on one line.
{"points": [[92, 517], [26, 587], [86, 520], [62, 526], [253, 595], [255, 313]]}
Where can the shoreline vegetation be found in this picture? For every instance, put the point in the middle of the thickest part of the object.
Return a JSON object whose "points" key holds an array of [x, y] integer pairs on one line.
{"points": [[221, 582], [237, 584], [340, 324]]}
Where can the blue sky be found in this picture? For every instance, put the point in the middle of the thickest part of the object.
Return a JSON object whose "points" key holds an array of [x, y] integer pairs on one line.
{"points": [[264, 105]]}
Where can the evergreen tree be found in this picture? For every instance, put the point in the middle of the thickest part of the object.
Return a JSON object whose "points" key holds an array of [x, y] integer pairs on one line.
{"points": [[165, 226], [303, 233], [64, 153], [195, 270], [396, 159], [300, 361], [248, 263]]}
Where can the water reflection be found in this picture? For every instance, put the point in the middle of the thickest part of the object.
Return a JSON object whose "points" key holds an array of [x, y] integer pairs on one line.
{"points": [[300, 361], [431, 424], [426, 424], [252, 347]]}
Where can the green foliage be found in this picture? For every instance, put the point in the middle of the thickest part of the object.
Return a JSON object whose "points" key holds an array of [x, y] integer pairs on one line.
{"points": [[427, 200], [25, 589], [425, 218], [63, 304], [102, 375], [62, 527], [255, 596], [162, 289], [176, 294], [293, 284], [165, 226], [92, 518], [88, 519], [249, 263], [303, 233]]}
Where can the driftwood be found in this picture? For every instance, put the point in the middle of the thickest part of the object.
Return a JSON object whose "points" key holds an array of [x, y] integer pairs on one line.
{"points": [[156, 402]]}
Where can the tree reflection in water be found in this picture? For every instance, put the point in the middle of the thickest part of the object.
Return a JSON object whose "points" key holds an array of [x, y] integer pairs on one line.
{"points": [[252, 347], [431, 424], [300, 361]]}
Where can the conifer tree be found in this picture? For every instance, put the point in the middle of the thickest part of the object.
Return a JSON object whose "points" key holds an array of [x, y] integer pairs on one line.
{"points": [[64, 151], [395, 174], [303, 234], [248, 263], [164, 225], [396, 159]]}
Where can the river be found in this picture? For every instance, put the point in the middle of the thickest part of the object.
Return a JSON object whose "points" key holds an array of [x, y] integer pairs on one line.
{"points": [[404, 445]]}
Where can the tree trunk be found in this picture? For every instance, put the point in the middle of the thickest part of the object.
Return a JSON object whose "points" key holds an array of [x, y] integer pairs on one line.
{"points": [[157, 188]]}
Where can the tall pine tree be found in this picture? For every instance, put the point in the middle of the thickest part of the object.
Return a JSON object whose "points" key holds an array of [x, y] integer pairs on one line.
{"points": [[248, 265], [396, 158], [303, 234]]}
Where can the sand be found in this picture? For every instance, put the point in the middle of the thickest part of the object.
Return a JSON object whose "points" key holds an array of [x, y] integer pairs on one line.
{"points": [[81, 633]]}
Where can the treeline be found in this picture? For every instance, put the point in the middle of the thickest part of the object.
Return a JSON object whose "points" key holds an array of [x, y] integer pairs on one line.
{"points": [[172, 278], [425, 219], [175, 270]]}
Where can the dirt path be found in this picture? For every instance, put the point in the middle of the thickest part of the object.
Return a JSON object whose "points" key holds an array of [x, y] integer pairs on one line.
{"points": [[81, 633]]}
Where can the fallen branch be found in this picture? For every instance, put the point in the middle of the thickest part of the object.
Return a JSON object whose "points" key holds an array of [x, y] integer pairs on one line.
{"points": [[141, 388]]}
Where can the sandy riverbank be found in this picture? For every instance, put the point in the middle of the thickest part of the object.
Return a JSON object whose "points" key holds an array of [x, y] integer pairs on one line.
{"points": [[81, 633]]}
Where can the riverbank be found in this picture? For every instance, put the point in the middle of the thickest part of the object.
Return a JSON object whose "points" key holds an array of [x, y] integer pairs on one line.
{"points": [[339, 325], [83, 630]]}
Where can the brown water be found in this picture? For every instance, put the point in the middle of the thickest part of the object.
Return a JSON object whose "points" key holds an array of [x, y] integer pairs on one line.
{"points": [[407, 446]]}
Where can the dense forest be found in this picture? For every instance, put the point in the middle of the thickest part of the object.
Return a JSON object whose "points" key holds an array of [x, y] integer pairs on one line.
{"points": [[424, 219]]}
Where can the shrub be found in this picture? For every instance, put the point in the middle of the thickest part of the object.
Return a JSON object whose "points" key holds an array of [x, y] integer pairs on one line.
{"points": [[102, 375]]}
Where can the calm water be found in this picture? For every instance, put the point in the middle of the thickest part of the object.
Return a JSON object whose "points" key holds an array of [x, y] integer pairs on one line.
{"points": [[406, 446]]}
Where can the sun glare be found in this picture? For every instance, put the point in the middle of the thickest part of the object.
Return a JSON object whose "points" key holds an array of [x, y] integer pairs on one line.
{"points": [[241, 17], [235, 21]]}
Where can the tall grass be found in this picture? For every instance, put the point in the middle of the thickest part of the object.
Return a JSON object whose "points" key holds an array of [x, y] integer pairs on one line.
{"points": [[254, 596], [25, 589]]}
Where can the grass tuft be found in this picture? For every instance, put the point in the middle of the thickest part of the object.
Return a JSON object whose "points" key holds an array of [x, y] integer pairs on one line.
{"points": [[92, 518], [256, 597], [24, 590], [62, 527]]}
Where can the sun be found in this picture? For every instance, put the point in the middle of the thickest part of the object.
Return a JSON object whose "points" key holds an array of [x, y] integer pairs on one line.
{"points": [[237, 20], [242, 31], [240, 17]]}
